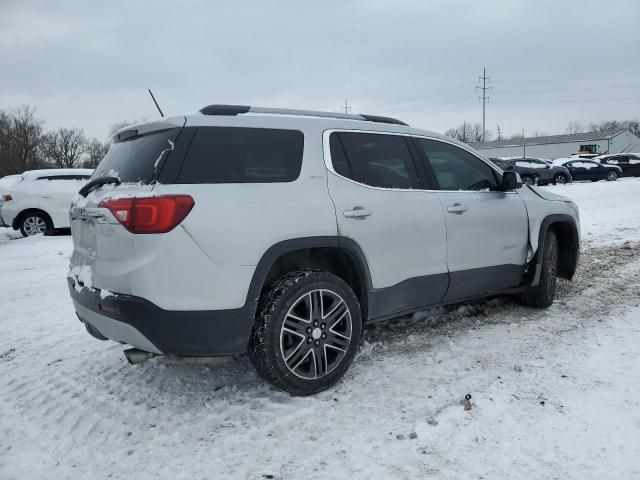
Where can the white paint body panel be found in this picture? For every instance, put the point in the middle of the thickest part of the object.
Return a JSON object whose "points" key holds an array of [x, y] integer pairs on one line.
{"points": [[492, 231], [404, 237]]}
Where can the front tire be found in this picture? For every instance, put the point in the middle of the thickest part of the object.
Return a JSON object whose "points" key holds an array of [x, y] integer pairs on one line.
{"points": [[527, 180], [307, 332], [612, 176], [35, 223], [542, 295]]}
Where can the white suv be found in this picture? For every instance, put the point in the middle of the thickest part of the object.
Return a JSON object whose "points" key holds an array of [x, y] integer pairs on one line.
{"points": [[282, 232], [39, 201]]}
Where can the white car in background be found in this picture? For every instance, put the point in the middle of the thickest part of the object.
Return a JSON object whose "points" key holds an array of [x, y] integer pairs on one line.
{"points": [[6, 184], [38, 201]]}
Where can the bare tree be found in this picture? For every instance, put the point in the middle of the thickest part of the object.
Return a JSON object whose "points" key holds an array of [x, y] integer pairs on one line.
{"points": [[64, 147], [468, 132], [575, 127], [25, 137], [607, 125], [96, 150], [6, 161]]}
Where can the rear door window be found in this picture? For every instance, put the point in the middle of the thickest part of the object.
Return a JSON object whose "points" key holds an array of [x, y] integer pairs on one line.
{"points": [[378, 160], [243, 155], [138, 159]]}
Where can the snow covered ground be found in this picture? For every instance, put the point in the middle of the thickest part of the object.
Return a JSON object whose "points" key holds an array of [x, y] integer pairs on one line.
{"points": [[555, 393]]}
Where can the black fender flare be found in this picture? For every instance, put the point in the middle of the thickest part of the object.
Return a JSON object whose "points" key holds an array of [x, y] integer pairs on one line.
{"points": [[269, 257], [575, 241]]}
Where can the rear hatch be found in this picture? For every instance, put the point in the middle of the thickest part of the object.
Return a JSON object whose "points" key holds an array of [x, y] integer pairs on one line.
{"points": [[104, 251]]}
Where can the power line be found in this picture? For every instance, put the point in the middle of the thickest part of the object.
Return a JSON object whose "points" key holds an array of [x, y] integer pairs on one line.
{"points": [[433, 94], [569, 79], [592, 100], [432, 105], [483, 97], [571, 89], [345, 107]]}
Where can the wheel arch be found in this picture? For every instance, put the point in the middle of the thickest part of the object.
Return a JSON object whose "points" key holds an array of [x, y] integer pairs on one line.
{"points": [[566, 230], [338, 255], [23, 213]]}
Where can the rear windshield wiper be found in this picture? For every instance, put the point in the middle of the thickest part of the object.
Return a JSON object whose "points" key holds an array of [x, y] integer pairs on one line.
{"points": [[98, 182]]}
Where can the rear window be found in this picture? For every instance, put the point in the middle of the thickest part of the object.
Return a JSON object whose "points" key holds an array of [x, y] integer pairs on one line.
{"points": [[138, 159], [243, 155]]}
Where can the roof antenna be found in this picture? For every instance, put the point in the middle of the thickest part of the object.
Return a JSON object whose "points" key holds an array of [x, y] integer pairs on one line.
{"points": [[154, 101]]}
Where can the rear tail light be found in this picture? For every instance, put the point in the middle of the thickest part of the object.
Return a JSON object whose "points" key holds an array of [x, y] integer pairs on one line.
{"points": [[7, 198], [150, 215]]}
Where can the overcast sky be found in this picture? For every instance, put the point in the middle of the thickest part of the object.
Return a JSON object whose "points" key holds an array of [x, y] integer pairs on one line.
{"points": [[88, 64]]}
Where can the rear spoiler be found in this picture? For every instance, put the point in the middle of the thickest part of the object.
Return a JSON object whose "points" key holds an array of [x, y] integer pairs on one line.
{"points": [[140, 129]]}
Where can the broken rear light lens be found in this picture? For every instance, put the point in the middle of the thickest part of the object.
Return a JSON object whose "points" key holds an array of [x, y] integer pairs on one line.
{"points": [[150, 215]]}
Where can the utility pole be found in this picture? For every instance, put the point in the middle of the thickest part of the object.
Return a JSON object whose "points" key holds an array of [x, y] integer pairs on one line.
{"points": [[346, 107], [484, 97], [499, 132]]}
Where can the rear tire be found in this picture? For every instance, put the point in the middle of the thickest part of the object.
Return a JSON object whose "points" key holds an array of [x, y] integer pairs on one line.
{"points": [[307, 332], [34, 223], [542, 295], [527, 180]]}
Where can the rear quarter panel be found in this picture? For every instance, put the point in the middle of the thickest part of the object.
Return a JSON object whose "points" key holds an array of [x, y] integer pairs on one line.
{"points": [[235, 223]]}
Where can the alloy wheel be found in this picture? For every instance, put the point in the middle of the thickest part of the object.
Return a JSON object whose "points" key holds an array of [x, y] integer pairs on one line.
{"points": [[561, 180], [315, 334], [34, 225], [612, 176]]}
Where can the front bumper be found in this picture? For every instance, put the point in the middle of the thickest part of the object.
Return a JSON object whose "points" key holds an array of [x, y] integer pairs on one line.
{"points": [[141, 324]]}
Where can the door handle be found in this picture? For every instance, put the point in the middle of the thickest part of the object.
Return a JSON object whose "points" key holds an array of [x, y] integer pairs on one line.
{"points": [[456, 208], [45, 196], [358, 213]]}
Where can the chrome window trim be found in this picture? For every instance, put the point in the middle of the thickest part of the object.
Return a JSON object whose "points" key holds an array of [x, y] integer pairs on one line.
{"points": [[329, 164]]}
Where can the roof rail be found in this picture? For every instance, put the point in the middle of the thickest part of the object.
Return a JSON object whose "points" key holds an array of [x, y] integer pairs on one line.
{"points": [[238, 109]]}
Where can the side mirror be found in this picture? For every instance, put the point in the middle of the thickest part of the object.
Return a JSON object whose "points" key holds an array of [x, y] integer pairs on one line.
{"points": [[510, 181]]}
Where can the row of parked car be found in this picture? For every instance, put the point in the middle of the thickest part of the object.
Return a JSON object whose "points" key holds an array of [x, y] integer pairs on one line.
{"points": [[539, 171]]}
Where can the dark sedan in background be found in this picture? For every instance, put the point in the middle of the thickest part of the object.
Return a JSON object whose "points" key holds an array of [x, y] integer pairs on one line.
{"points": [[628, 162], [529, 176], [549, 173], [583, 169]]}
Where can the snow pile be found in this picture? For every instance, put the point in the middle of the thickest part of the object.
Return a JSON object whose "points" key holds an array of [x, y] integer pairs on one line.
{"points": [[609, 211]]}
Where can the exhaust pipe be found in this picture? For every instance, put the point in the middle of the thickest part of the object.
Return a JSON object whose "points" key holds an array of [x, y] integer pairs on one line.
{"points": [[135, 356]]}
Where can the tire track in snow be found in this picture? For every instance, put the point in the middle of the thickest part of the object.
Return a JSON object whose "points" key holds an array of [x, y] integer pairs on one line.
{"points": [[92, 396]]}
